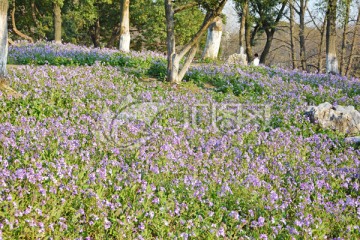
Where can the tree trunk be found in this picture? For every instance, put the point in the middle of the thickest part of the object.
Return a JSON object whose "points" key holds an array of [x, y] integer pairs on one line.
{"points": [[16, 31], [248, 34], [269, 27], [292, 45], [3, 37], [269, 38], [125, 28], [57, 23], [115, 34], [323, 28], [33, 13], [173, 64], [303, 7], [245, 9], [213, 40], [354, 41], [174, 73], [344, 38], [95, 34], [331, 59]]}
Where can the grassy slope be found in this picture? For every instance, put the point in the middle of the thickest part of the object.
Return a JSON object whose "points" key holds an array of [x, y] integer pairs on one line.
{"points": [[274, 179]]}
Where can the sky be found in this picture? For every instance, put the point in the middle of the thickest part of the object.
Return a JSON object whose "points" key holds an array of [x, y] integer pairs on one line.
{"points": [[232, 24]]}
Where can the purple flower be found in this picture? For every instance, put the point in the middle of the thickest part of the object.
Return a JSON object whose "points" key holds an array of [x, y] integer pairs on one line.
{"points": [[263, 236], [156, 200], [141, 226], [234, 214], [261, 221], [220, 232], [107, 223]]}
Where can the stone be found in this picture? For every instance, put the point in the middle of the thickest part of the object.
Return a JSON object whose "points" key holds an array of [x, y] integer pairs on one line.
{"points": [[236, 58], [343, 119]]}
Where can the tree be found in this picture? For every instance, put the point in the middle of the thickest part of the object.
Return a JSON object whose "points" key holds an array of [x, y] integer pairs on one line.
{"points": [[149, 26], [249, 36], [246, 32], [259, 16], [4, 5], [319, 20], [95, 33], [344, 38], [292, 45], [13, 22], [213, 40], [57, 20], [268, 14], [354, 40], [242, 8], [213, 9], [301, 12], [124, 26], [331, 59]]}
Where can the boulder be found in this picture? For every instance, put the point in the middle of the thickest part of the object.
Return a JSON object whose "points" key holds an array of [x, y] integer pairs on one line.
{"points": [[237, 58], [344, 119]]}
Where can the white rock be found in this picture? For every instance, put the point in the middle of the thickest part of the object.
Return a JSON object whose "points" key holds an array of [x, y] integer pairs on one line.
{"points": [[237, 58], [344, 119]]}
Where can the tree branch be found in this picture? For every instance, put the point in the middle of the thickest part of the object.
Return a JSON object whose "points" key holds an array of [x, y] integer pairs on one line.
{"points": [[280, 14], [188, 61], [14, 25], [209, 18], [184, 7]]}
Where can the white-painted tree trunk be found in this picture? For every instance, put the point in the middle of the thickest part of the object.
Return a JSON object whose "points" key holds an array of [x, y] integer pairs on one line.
{"points": [[332, 65], [125, 42], [331, 59], [242, 50], [125, 26], [3, 37], [213, 40]]}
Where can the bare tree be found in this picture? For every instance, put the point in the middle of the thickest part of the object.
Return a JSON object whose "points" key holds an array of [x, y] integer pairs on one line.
{"points": [[292, 45], [124, 26], [321, 29], [354, 41], [331, 59], [301, 12], [344, 37]]}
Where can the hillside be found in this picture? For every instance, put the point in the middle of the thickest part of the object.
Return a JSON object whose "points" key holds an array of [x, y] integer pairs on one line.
{"points": [[99, 147]]}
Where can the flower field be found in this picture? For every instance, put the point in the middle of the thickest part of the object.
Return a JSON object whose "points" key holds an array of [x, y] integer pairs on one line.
{"points": [[76, 164]]}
